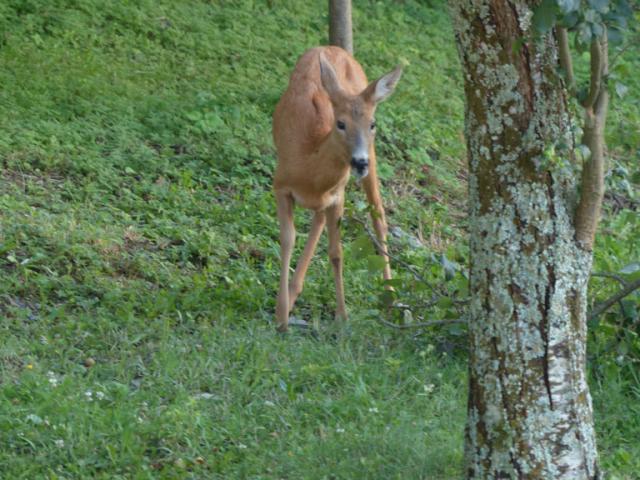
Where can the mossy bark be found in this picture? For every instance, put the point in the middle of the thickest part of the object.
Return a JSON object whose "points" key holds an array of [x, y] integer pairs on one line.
{"points": [[529, 409]]}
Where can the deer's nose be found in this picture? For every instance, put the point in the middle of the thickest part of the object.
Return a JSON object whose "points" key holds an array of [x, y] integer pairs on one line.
{"points": [[360, 163]]}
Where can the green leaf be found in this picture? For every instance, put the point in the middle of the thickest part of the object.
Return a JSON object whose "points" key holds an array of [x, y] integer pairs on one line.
{"points": [[622, 68], [568, 6], [630, 268], [517, 45], [621, 89], [581, 94], [194, 116], [456, 330], [601, 6], [445, 302], [393, 282], [544, 16], [615, 36], [387, 297], [584, 34], [375, 263], [570, 20], [597, 29], [630, 310], [361, 247]]}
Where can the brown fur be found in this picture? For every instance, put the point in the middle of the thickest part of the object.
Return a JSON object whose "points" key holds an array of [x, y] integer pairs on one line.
{"points": [[314, 158]]}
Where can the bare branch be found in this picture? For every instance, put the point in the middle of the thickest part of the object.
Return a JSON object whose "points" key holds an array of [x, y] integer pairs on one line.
{"points": [[614, 276], [602, 101], [566, 63], [621, 52], [604, 306], [595, 81]]}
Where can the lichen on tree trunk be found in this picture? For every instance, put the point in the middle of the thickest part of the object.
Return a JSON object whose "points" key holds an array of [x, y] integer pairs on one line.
{"points": [[529, 410]]}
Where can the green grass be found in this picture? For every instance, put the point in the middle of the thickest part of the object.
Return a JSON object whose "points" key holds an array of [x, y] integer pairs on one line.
{"points": [[138, 231]]}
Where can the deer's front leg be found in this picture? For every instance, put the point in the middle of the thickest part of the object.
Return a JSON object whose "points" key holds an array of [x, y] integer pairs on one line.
{"points": [[372, 190], [284, 204], [295, 288], [334, 215]]}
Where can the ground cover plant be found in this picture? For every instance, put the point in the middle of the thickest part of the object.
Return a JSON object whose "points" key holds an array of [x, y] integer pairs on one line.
{"points": [[139, 254]]}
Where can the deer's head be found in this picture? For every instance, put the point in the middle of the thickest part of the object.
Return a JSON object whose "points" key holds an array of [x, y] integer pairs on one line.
{"points": [[354, 120]]}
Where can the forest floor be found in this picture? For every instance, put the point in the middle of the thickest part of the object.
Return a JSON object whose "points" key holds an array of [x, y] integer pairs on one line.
{"points": [[139, 255]]}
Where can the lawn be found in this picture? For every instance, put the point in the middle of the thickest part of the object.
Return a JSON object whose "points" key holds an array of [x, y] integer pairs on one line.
{"points": [[139, 255]]}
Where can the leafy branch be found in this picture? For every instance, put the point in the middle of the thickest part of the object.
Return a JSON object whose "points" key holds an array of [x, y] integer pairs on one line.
{"points": [[595, 24]]}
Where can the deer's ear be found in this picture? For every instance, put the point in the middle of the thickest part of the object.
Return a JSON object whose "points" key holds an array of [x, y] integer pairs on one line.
{"points": [[383, 87], [329, 78]]}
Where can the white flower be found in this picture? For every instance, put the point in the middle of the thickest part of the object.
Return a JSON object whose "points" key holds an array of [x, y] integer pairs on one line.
{"points": [[373, 410], [100, 395], [59, 443], [242, 446], [35, 419], [89, 395], [340, 430], [269, 403], [53, 380], [429, 388]]}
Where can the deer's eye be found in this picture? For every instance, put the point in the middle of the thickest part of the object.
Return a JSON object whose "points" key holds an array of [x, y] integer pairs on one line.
{"points": [[340, 124], [373, 125]]}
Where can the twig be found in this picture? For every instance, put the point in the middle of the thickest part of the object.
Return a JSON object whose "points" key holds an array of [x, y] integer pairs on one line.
{"points": [[604, 306], [392, 257], [434, 301], [430, 323], [619, 54], [404, 306]]}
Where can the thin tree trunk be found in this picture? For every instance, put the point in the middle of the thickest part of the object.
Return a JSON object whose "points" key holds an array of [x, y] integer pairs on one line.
{"points": [[529, 408], [340, 31], [596, 107]]}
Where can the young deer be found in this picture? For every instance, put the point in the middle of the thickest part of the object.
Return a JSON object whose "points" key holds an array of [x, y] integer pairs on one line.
{"points": [[323, 128]]}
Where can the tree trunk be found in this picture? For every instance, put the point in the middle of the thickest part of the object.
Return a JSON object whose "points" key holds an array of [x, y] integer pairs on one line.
{"points": [[529, 407], [340, 24]]}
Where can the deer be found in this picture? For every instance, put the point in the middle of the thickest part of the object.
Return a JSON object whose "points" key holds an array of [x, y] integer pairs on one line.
{"points": [[324, 130]]}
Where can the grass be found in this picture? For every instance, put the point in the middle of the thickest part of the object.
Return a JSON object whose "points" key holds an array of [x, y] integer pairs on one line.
{"points": [[139, 255]]}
